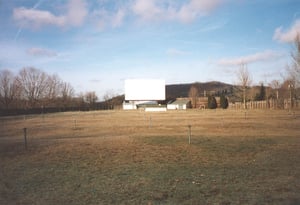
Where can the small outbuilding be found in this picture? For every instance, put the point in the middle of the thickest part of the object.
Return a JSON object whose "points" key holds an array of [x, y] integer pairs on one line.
{"points": [[179, 104]]}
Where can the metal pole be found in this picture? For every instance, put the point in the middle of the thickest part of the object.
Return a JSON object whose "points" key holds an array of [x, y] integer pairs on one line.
{"points": [[25, 137], [189, 133]]}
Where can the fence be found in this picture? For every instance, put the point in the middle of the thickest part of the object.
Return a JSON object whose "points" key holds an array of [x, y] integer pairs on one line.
{"points": [[266, 104]]}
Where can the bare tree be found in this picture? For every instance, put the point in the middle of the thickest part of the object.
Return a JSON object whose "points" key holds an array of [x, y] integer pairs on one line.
{"points": [[66, 93], [67, 90], [91, 98], [33, 83], [244, 80], [109, 94], [194, 95], [294, 70], [275, 85], [8, 88], [108, 98], [54, 87], [32, 88]]}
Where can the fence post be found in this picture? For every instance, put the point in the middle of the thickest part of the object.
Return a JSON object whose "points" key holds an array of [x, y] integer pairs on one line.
{"points": [[75, 124], [189, 133], [150, 121], [25, 137]]}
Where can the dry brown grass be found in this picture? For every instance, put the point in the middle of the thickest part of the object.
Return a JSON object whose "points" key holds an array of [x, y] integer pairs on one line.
{"points": [[133, 157]]}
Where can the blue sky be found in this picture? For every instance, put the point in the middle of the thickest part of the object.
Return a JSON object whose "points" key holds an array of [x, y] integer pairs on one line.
{"points": [[97, 44]]}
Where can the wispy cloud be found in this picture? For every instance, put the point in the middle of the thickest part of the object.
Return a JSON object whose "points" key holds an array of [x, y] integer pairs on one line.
{"points": [[176, 52], [118, 18], [35, 18], [213, 27], [148, 10], [154, 10], [195, 8], [77, 12], [145, 11], [95, 80], [253, 58], [21, 26], [41, 52], [288, 35], [108, 19]]}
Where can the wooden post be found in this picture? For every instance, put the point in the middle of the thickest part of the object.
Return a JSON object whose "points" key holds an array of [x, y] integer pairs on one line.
{"points": [[189, 133], [25, 137], [75, 124], [150, 122]]}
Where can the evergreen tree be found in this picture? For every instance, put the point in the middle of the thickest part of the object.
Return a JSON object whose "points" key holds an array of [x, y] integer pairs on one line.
{"points": [[212, 103], [223, 102], [262, 93]]}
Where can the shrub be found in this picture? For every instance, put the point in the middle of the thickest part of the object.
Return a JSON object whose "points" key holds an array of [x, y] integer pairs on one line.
{"points": [[212, 103], [223, 102]]}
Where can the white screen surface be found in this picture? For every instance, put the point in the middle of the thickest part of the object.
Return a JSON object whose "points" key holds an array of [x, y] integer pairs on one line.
{"points": [[145, 89]]}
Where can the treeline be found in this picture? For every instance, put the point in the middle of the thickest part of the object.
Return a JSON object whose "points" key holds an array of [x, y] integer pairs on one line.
{"points": [[284, 93], [32, 91]]}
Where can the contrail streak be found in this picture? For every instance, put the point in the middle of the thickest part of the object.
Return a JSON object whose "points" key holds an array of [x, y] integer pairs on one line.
{"points": [[37, 4]]}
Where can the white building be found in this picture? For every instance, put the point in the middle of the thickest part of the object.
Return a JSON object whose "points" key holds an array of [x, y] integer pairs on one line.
{"points": [[179, 104]]}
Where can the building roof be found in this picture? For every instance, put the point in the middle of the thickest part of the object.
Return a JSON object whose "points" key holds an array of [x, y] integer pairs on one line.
{"points": [[180, 102]]}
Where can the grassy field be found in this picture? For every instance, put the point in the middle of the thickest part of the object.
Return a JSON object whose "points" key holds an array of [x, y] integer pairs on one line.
{"points": [[133, 157]]}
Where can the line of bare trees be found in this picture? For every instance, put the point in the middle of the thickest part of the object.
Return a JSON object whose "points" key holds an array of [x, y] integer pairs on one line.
{"points": [[33, 88], [285, 92], [288, 89], [282, 92]]}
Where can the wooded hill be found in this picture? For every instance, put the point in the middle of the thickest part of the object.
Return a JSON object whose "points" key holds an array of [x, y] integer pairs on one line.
{"points": [[182, 90]]}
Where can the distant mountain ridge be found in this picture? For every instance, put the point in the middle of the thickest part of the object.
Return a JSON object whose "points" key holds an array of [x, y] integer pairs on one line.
{"points": [[182, 90]]}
